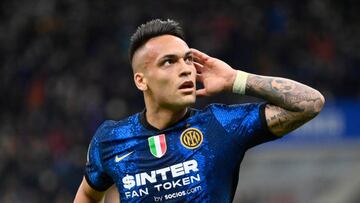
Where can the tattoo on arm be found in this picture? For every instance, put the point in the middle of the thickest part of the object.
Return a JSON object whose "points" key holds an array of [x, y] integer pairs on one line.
{"points": [[281, 121], [292, 103]]}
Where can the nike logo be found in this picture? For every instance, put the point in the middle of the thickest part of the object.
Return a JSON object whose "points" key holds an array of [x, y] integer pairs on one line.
{"points": [[117, 158]]}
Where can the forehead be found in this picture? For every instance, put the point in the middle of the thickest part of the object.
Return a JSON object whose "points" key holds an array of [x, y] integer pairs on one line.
{"points": [[157, 47]]}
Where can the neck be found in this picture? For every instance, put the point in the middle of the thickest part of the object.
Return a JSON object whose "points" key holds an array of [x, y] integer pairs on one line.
{"points": [[163, 118]]}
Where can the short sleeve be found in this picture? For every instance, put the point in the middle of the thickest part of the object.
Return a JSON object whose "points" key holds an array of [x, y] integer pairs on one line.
{"points": [[246, 123], [94, 171]]}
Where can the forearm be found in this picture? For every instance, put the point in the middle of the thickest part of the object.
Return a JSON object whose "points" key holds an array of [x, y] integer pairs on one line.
{"points": [[285, 93], [290, 104], [83, 198], [86, 194]]}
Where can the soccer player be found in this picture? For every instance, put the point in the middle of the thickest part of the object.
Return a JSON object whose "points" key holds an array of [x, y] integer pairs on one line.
{"points": [[171, 152]]}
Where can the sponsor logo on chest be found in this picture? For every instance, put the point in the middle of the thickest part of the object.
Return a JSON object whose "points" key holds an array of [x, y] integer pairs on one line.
{"points": [[164, 179]]}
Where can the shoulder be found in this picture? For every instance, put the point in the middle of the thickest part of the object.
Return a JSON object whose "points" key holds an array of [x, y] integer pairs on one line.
{"points": [[218, 108], [238, 113], [110, 129]]}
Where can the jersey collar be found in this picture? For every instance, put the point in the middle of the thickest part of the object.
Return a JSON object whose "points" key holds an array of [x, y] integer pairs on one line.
{"points": [[148, 126]]}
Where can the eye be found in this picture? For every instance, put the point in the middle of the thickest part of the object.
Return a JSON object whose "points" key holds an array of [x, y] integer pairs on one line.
{"points": [[168, 62], [189, 59]]}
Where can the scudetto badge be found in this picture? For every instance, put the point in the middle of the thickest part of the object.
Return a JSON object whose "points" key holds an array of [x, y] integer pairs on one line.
{"points": [[191, 138], [157, 145]]}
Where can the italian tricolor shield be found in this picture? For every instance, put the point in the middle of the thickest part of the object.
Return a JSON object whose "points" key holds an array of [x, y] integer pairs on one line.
{"points": [[157, 145]]}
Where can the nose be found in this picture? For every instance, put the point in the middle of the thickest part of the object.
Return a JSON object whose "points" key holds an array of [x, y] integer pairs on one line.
{"points": [[186, 69]]}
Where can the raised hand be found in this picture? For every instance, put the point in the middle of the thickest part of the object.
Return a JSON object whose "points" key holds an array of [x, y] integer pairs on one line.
{"points": [[216, 75]]}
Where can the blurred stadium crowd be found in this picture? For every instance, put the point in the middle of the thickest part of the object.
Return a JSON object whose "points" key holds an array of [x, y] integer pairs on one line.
{"points": [[64, 69]]}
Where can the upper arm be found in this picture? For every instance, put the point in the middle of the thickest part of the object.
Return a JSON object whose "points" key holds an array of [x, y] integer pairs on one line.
{"points": [[244, 123], [96, 174], [281, 121], [112, 195], [96, 180], [291, 103], [86, 194]]}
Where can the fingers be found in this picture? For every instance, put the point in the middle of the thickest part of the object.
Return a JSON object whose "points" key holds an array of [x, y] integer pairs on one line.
{"points": [[199, 68], [201, 65], [199, 56], [199, 78], [201, 92]]}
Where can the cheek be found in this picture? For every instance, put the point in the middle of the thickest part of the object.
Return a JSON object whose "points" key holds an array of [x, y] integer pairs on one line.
{"points": [[162, 83]]}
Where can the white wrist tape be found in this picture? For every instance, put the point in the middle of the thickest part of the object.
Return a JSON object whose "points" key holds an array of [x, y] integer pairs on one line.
{"points": [[240, 82]]}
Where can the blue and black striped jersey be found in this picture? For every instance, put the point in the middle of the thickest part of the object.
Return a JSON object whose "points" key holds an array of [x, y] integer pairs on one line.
{"points": [[195, 160]]}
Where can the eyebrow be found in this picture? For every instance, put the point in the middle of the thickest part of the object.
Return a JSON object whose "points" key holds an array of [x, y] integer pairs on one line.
{"points": [[171, 56]]}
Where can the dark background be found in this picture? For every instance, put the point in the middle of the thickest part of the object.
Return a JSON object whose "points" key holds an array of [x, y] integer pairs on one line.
{"points": [[64, 69]]}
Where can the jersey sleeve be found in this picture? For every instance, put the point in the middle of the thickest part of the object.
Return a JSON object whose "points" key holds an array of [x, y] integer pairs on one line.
{"points": [[246, 123], [94, 171]]}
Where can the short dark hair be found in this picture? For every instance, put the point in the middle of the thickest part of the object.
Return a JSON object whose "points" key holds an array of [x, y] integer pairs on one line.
{"points": [[151, 29]]}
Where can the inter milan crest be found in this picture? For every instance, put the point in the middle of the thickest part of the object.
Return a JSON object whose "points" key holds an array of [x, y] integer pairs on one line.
{"points": [[157, 145], [191, 138]]}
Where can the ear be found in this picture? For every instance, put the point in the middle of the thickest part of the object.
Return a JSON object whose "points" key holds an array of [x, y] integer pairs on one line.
{"points": [[140, 81]]}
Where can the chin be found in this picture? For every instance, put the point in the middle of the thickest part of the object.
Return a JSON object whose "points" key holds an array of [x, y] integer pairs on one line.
{"points": [[186, 101], [189, 100]]}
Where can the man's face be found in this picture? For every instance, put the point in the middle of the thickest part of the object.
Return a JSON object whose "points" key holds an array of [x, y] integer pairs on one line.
{"points": [[165, 64]]}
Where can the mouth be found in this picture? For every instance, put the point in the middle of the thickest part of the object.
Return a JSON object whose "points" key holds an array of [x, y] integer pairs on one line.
{"points": [[187, 85]]}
